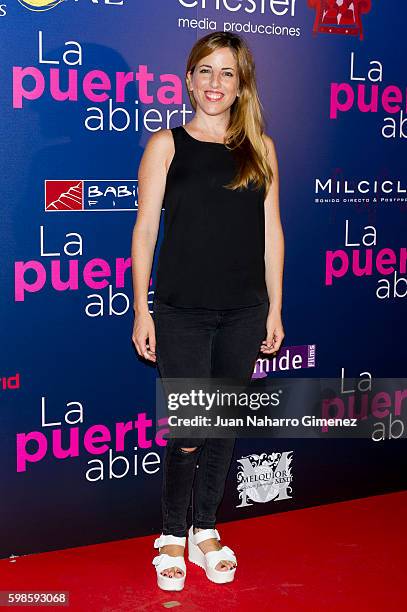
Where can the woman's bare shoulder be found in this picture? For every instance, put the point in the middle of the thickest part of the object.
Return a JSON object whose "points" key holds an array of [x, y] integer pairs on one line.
{"points": [[160, 146], [162, 138], [271, 149], [268, 141]]}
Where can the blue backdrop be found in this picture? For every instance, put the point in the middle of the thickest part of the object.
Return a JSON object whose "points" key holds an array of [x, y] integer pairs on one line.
{"points": [[331, 80]]}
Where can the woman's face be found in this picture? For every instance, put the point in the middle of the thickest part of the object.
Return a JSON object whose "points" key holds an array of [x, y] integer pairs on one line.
{"points": [[214, 81]]}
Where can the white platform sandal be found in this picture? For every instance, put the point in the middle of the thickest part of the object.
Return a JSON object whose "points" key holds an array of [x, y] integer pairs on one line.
{"points": [[164, 561], [208, 561]]}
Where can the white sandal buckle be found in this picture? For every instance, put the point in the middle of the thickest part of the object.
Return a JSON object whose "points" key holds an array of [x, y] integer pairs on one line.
{"points": [[204, 534], [163, 540]]}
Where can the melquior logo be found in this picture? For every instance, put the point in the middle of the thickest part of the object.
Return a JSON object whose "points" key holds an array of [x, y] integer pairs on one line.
{"points": [[40, 5], [263, 478], [339, 16]]}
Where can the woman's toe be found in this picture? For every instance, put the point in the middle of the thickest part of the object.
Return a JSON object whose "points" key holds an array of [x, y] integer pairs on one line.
{"points": [[173, 572], [229, 565], [222, 566]]}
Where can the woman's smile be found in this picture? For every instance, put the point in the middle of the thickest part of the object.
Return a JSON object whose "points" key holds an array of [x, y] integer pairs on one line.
{"points": [[213, 96]]}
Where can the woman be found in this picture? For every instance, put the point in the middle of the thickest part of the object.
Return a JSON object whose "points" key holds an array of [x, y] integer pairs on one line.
{"points": [[218, 293]]}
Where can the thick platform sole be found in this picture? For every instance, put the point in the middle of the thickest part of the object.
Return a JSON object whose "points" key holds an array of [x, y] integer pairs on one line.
{"points": [[196, 556]]}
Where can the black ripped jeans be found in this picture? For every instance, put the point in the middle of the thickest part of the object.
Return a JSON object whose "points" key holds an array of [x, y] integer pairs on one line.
{"points": [[202, 343]]}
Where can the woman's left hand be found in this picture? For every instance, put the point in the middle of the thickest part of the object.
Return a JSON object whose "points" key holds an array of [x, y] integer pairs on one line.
{"points": [[275, 333]]}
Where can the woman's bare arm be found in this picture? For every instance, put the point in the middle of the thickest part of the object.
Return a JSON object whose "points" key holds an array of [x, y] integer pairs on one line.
{"points": [[274, 237], [273, 257], [152, 177]]}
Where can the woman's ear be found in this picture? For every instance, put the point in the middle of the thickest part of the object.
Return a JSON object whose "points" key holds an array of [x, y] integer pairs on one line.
{"points": [[188, 79]]}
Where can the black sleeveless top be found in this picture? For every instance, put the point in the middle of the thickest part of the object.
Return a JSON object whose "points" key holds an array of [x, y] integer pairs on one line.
{"points": [[212, 254]]}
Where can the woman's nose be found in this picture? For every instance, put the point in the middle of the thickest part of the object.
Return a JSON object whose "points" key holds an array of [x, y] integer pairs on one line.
{"points": [[215, 80]]}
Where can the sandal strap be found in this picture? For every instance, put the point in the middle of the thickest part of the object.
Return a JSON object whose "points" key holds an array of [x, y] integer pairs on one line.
{"points": [[163, 540], [224, 554], [164, 561], [205, 534]]}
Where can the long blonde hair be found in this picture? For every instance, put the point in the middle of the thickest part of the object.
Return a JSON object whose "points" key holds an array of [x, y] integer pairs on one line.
{"points": [[246, 126]]}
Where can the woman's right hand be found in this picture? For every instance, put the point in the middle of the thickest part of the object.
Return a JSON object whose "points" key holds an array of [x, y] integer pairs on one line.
{"points": [[144, 335]]}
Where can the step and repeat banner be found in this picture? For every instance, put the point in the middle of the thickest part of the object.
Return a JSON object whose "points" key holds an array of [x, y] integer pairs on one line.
{"points": [[84, 83]]}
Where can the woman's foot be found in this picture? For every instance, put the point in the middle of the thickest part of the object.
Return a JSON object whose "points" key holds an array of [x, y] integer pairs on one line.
{"points": [[174, 551], [214, 544]]}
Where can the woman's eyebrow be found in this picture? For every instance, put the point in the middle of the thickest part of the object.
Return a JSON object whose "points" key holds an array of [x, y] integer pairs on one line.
{"points": [[224, 68]]}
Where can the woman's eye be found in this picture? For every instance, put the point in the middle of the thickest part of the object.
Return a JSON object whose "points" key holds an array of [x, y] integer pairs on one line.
{"points": [[229, 74]]}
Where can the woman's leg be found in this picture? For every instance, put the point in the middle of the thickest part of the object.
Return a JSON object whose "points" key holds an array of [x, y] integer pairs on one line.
{"points": [[184, 338], [235, 348]]}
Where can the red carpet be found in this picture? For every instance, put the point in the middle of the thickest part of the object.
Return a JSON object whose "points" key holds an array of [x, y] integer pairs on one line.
{"points": [[348, 556]]}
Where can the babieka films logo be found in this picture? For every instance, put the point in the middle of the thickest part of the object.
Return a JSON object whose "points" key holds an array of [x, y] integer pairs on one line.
{"points": [[40, 5], [85, 195], [339, 16], [265, 477]]}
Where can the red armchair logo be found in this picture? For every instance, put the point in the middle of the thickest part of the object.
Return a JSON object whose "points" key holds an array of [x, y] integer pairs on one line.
{"points": [[339, 16]]}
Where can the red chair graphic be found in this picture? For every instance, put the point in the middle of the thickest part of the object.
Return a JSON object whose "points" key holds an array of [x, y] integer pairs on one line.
{"points": [[339, 16]]}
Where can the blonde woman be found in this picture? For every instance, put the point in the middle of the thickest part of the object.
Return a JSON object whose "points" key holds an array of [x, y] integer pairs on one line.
{"points": [[218, 295]]}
